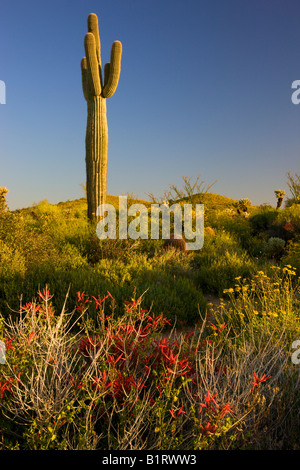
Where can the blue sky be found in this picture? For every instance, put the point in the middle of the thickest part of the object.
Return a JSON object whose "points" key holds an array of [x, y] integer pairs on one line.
{"points": [[205, 88]]}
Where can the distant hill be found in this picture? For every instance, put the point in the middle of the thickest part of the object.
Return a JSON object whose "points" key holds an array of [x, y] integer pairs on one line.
{"points": [[210, 200], [214, 201]]}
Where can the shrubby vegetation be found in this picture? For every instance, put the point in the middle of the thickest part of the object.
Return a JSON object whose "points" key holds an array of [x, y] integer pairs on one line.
{"points": [[120, 344]]}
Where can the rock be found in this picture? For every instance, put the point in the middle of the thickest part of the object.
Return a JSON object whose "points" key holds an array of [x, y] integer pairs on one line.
{"points": [[177, 243]]}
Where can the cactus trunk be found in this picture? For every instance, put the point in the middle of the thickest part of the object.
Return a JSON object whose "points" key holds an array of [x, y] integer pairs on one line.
{"points": [[96, 90], [96, 154]]}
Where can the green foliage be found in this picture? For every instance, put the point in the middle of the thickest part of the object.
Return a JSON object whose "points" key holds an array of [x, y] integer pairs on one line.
{"points": [[217, 274], [239, 227], [274, 247], [60, 250], [3, 193], [262, 220], [56, 245], [243, 205], [289, 219], [221, 260], [11, 261], [292, 256], [294, 186]]}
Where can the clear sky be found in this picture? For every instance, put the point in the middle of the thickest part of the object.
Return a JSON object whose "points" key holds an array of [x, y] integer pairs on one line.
{"points": [[205, 88]]}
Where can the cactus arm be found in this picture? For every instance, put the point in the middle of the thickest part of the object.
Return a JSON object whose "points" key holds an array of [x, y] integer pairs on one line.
{"points": [[114, 70], [84, 77], [106, 73], [94, 29], [94, 83]]}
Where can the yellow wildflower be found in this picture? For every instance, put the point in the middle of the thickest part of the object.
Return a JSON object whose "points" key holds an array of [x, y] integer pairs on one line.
{"points": [[228, 291]]}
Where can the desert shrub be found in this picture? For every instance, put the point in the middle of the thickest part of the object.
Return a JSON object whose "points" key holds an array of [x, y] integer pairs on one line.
{"points": [[238, 226], [44, 210], [214, 274], [274, 247], [96, 250], [294, 186], [220, 247], [177, 298], [267, 300], [243, 205], [166, 278], [289, 219], [262, 221], [254, 245], [292, 255], [11, 261], [223, 240], [71, 257], [3, 204]]}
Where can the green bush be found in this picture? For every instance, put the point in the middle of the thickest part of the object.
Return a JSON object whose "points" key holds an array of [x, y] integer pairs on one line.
{"points": [[11, 261], [292, 256], [274, 247], [218, 273], [289, 219], [169, 286], [263, 220]]}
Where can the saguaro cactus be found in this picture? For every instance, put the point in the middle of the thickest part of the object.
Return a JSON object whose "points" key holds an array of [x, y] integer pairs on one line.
{"points": [[96, 90]]}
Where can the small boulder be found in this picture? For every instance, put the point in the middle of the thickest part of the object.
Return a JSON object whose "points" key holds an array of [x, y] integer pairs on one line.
{"points": [[177, 243]]}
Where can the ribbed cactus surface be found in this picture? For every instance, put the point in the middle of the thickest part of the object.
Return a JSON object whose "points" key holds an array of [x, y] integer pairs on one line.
{"points": [[96, 90]]}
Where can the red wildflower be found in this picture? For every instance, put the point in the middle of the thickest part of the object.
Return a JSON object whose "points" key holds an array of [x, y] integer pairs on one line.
{"points": [[5, 386], [88, 345], [82, 301], [111, 359], [100, 382], [155, 321], [208, 428], [8, 343], [76, 384], [258, 380], [219, 328], [31, 336], [178, 412], [132, 304], [288, 227], [122, 385], [100, 301], [208, 400], [170, 357], [31, 307], [225, 409], [45, 295]]}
